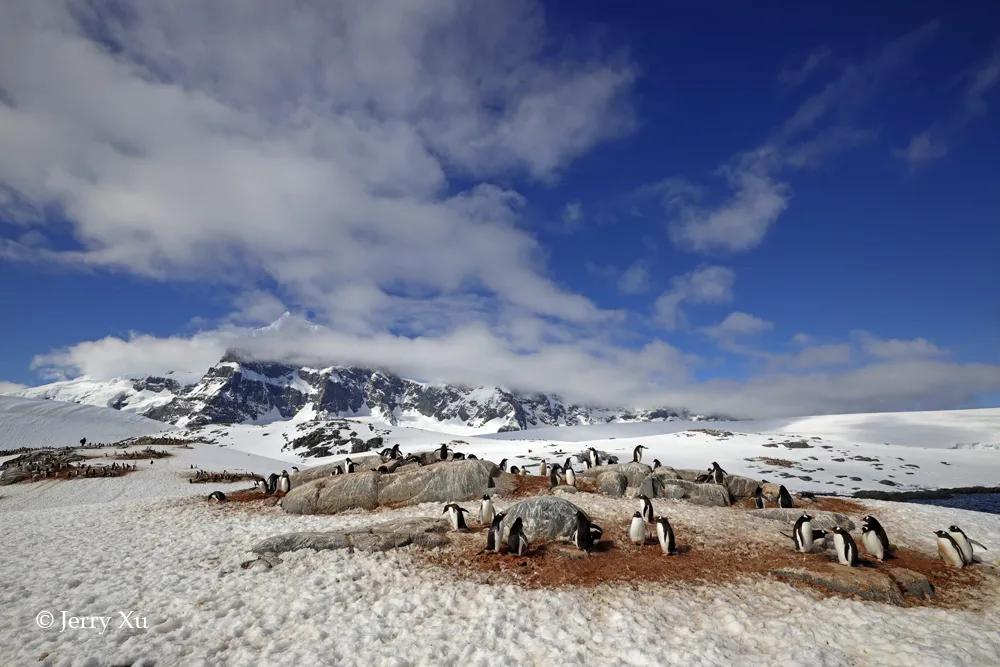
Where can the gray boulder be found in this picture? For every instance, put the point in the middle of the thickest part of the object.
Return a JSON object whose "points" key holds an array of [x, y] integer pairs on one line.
{"points": [[325, 470], [564, 488], [664, 486], [545, 518], [634, 472], [612, 483], [820, 519], [740, 487], [888, 587], [409, 485], [419, 531]]}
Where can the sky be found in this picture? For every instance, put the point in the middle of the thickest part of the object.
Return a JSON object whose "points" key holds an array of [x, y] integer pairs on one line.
{"points": [[754, 210]]}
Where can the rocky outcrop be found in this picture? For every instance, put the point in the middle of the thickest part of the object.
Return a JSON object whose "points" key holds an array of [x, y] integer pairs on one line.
{"points": [[664, 485], [740, 487], [316, 472], [545, 518], [612, 483], [420, 531], [889, 587], [451, 481], [634, 472], [821, 520]]}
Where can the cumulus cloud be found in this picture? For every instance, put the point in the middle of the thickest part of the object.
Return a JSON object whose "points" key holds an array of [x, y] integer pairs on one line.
{"points": [[738, 324], [706, 284], [801, 72], [634, 279], [896, 348]]}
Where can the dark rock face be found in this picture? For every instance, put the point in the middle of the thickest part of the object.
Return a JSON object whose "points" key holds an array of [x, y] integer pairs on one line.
{"points": [[419, 531], [868, 584]]}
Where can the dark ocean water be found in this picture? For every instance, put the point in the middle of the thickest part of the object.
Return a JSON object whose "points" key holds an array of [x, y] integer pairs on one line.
{"points": [[978, 502]]}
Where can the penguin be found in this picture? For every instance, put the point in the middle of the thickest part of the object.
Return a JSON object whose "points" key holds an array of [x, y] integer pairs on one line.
{"points": [[758, 498], [486, 511], [802, 533], [517, 542], [570, 476], [568, 463], [612, 460], [665, 536], [874, 537], [964, 543], [554, 477], [472, 457], [337, 470], [637, 453], [458, 456], [494, 536], [718, 474], [284, 482], [593, 457], [456, 515], [847, 550], [295, 468], [646, 507], [656, 464], [272, 483], [217, 497], [543, 469], [349, 466], [261, 485], [395, 451], [784, 498], [503, 465], [820, 536], [949, 550], [514, 470], [586, 533], [443, 452], [637, 529], [523, 472]]}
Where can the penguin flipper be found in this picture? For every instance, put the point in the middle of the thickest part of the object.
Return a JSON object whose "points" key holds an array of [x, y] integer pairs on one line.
{"points": [[978, 545]]}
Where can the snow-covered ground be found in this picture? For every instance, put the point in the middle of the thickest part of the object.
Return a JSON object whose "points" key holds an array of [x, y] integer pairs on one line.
{"points": [[104, 546], [26, 422]]}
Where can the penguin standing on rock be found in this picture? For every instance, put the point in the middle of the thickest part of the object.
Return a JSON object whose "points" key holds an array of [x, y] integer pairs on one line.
{"points": [[349, 466], [758, 498], [503, 465], [964, 543], [656, 464], [665, 536], [517, 541], [486, 511], [802, 533], [847, 550], [949, 550], [514, 470], [284, 482], [637, 453], [456, 515], [570, 476], [637, 529], [554, 480], [495, 535], [784, 497], [443, 452], [646, 508], [718, 474], [593, 458], [874, 537]]}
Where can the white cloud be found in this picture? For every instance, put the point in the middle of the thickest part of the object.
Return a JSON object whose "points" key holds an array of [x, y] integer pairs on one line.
{"points": [[896, 348], [802, 72], [634, 279], [812, 357], [924, 147], [738, 324], [706, 284], [10, 387]]}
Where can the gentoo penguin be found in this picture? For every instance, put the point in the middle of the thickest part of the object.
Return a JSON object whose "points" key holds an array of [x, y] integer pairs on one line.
{"points": [[337, 470], [665, 536], [443, 452], [802, 533], [656, 464], [847, 550], [514, 470], [612, 460], [554, 480], [472, 457], [568, 463], [494, 536], [570, 476], [217, 497], [820, 536], [964, 543], [456, 515], [395, 451], [586, 533], [349, 466], [486, 511], [593, 458], [718, 474], [646, 508], [284, 482], [543, 469], [517, 542], [503, 465], [295, 468], [637, 453], [637, 529], [261, 485], [272, 483], [874, 538], [949, 550], [784, 498], [758, 498], [458, 456]]}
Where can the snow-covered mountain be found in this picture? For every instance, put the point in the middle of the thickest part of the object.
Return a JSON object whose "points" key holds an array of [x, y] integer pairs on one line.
{"points": [[241, 391]]}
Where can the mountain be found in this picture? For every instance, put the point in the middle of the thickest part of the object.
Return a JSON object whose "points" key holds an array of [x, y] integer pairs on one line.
{"points": [[242, 391]]}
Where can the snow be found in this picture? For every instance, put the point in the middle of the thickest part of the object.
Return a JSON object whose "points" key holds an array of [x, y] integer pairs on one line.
{"points": [[99, 392], [32, 422]]}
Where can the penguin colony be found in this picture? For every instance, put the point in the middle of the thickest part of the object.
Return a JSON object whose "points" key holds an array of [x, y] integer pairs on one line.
{"points": [[954, 547]]}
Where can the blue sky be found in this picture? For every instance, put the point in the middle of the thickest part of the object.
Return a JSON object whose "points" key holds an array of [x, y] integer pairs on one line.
{"points": [[757, 210]]}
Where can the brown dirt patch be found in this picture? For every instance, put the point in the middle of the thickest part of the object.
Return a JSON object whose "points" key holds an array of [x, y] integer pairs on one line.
{"points": [[526, 485], [834, 504], [777, 463], [253, 495]]}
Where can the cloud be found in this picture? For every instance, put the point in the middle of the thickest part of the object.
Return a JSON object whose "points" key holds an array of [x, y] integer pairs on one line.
{"points": [[738, 324], [896, 348], [10, 387], [803, 71], [706, 284], [344, 157], [812, 357], [634, 279], [923, 148]]}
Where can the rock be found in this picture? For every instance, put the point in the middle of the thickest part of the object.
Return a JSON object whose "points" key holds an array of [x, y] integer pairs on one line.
{"points": [[13, 476], [770, 490], [409, 485], [612, 483], [659, 485], [821, 520], [740, 487], [358, 445], [634, 472], [545, 518], [419, 531], [565, 488], [866, 583], [325, 470], [912, 583], [375, 443]]}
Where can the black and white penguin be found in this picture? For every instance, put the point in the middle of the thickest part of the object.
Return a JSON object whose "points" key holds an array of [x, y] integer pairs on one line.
{"points": [[503, 465], [349, 466], [847, 550], [758, 498], [964, 543], [570, 476], [472, 457], [494, 537], [395, 452], [514, 470], [820, 536], [486, 510], [646, 508], [665, 536], [718, 474], [217, 497], [802, 533], [443, 452], [458, 456], [284, 482], [261, 485], [784, 497], [543, 469], [637, 453], [874, 537], [656, 464], [637, 529], [612, 460], [456, 515], [295, 468], [949, 550], [272, 483], [586, 533], [517, 541], [593, 458], [337, 470], [568, 463], [554, 480]]}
